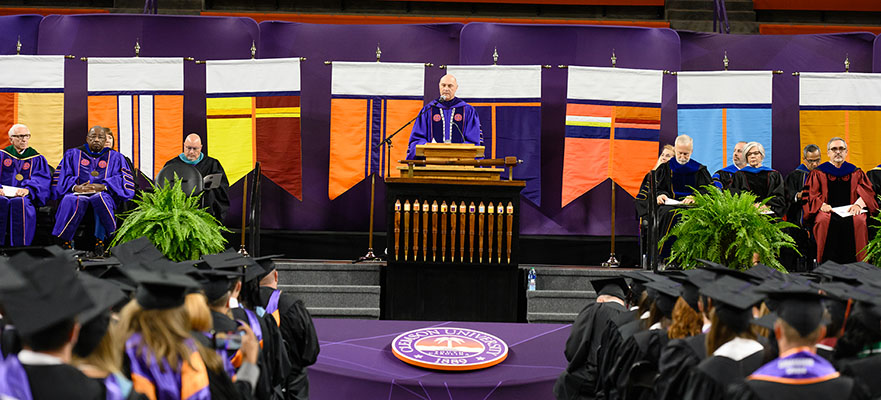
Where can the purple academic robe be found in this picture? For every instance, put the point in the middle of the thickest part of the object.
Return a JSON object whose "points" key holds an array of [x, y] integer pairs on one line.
{"points": [[453, 121], [80, 166], [28, 170]]}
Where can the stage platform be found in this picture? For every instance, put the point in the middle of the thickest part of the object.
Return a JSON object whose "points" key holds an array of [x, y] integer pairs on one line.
{"points": [[356, 362], [341, 289]]}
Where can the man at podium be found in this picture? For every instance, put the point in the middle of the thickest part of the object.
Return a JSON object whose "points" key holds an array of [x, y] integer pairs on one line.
{"points": [[447, 119]]}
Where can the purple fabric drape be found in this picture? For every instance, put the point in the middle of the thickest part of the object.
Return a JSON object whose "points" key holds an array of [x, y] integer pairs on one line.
{"points": [[13, 27]]}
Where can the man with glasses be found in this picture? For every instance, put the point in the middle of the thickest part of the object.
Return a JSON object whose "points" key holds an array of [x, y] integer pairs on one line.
{"points": [[25, 177], [840, 198], [216, 200]]}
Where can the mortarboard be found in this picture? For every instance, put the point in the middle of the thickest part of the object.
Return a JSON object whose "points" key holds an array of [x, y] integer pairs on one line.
{"points": [[266, 263], [732, 300], [799, 304], [836, 271], [692, 282], [231, 260], [51, 294], [668, 292], [765, 272], [616, 287], [10, 278], [160, 289], [137, 251]]}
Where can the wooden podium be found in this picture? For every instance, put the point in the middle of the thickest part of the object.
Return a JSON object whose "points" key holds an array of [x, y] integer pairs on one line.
{"points": [[452, 239]]}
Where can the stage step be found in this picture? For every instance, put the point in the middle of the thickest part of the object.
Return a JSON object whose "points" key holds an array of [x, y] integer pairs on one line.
{"points": [[551, 318], [561, 301], [345, 312], [334, 295], [333, 288], [569, 277], [317, 272]]}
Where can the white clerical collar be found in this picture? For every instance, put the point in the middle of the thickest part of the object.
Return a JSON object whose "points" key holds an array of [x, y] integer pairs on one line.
{"points": [[27, 357], [738, 348], [656, 326]]}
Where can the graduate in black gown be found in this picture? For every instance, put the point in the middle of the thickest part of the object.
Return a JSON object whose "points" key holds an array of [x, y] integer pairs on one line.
{"points": [[44, 312], [680, 355], [294, 322], [799, 373], [217, 200], [578, 381], [858, 351], [677, 179], [732, 349], [795, 191], [874, 176], [637, 364], [761, 181]]}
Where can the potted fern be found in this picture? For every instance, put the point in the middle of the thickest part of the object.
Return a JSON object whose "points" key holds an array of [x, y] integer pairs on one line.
{"points": [[174, 222], [728, 229], [873, 248]]}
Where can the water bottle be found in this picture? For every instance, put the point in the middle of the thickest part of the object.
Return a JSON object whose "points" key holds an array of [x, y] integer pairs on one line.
{"points": [[531, 279]]}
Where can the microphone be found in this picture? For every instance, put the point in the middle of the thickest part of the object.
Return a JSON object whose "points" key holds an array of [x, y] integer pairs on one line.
{"points": [[458, 129], [442, 97]]}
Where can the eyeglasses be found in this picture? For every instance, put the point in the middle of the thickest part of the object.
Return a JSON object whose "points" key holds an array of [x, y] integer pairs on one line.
{"points": [[20, 136], [753, 153], [838, 149], [814, 161]]}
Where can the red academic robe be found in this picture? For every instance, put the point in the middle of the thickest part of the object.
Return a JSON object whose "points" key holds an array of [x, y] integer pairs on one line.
{"points": [[860, 187]]}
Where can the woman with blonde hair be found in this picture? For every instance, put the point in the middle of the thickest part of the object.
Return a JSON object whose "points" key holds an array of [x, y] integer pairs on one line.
{"points": [[163, 359]]}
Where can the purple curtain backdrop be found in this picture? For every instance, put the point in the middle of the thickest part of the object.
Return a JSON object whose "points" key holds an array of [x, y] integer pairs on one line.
{"points": [[434, 43], [575, 45], [876, 63], [159, 36], [14, 26], [789, 53]]}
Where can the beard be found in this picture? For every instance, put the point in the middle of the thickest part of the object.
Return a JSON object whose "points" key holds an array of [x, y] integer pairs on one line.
{"points": [[683, 162]]}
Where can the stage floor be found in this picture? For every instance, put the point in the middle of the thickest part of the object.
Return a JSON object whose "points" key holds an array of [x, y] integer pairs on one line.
{"points": [[356, 362]]}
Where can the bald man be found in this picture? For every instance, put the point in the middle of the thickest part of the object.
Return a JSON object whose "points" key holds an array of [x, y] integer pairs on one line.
{"points": [[216, 200], [91, 176], [447, 119]]}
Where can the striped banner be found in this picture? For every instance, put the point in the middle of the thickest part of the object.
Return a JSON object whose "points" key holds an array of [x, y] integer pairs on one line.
{"points": [[613, 124], [508, 101], [720, 108], [846, 105], [32, 93], [369, 101], [253, 114], [141, 100]]}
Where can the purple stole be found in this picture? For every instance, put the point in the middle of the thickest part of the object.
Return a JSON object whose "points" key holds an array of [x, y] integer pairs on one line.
{"points": [[14, 380], [114, 389], [272, 306], [798, 366], [440, 119], [165, 382]]}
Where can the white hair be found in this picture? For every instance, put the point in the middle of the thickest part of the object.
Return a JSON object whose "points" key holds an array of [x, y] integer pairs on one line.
{"points": [[684, 140], [17, 127], [758, 147]]}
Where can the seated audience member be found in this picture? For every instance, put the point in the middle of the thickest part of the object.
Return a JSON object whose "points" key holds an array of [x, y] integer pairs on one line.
{"points": [[25, 173]]}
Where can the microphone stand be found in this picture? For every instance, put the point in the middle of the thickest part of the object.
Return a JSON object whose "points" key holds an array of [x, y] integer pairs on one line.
{"points": [[370, 256]]}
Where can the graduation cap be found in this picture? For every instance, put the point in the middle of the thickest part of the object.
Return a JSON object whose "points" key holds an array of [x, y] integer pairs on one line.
{"points": [[799, 304], [231, 260], [668, 291], [52, 294], [160, 289], [97, 267], [266, 263], [10, 279], [39, 252], [616, 287], [138, 251], [95, 320], [692, 282], [638, 280], [765, 272], [836, 271], [732, 300], [115, 275], [767, 321]]}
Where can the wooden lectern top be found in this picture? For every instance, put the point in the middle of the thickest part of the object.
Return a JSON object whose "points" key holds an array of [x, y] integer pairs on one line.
{"points": [[449, 151], [457, 161]]}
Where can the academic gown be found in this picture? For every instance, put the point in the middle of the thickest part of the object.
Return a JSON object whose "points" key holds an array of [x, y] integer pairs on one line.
{"points": [[874, 176], [676, 182], [216, 200], [763, 182], [794, 184], [676, 362], [79, 166], [453, 121], [222, 323], [301, 341], [810, 377], [839, 239], [642, 198], [62, 382], [607, 353], [638, 364], [608, 373], [864, 371], [724, 177], [579, 380], [27, 170], [711, 379], [273, 349]]}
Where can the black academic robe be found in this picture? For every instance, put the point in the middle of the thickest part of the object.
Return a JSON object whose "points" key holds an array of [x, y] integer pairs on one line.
{"points": [[608, 378], [51, 382], [677, 360], [607, 353], [864, 371], [794, 189], [275, 356], [795, 193], [638, 364], [301, 341], [578, 381], [216, 200], [713, 377], [264, 389], [677, 181], [762, 182], [874, 176], [841, 388], [642, 198]]}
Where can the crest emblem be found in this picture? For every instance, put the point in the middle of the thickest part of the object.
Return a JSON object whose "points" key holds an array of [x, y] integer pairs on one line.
{"points": [[436, 117], [450, 349], [457, 117], [102, 164], [85, 162]]}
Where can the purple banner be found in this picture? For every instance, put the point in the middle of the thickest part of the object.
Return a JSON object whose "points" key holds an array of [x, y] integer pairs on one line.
{"points": [[15, 27]]}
